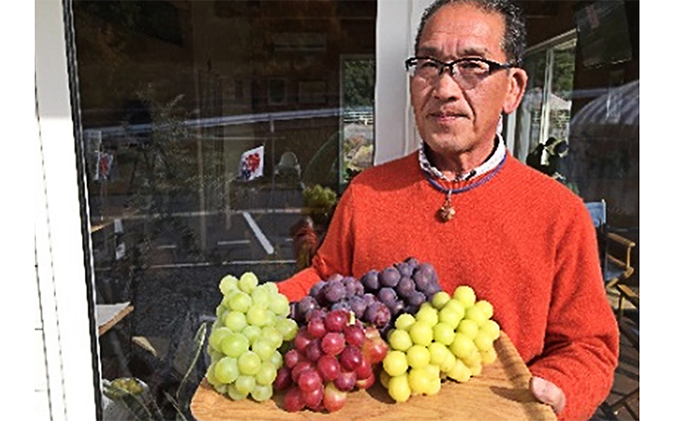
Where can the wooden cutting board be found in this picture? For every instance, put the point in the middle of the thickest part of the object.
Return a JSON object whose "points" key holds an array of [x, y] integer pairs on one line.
{"points": [[499, 392]]}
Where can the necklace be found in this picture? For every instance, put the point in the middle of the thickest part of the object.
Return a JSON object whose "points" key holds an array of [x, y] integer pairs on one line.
{"points": [[446, 212]]}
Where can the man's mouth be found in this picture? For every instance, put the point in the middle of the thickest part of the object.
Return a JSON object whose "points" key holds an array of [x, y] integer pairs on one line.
{"points": [[444, 116]]}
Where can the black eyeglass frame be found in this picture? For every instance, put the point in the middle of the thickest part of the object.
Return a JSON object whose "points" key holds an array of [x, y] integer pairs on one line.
{"points": [[493, 65]]}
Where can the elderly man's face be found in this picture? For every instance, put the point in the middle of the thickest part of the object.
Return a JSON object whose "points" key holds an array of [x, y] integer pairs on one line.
{"points": [[451, 120]]}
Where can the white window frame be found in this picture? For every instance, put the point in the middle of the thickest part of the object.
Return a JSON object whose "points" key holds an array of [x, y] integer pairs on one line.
{"points": [[58, 239]]}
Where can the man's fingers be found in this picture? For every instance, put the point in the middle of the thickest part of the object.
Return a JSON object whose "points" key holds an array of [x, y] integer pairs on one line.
{"points": [[548, 392]]}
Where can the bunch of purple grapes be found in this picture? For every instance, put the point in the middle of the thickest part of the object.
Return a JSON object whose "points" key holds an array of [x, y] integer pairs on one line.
{"points": [[378, 298], [340, 292]]}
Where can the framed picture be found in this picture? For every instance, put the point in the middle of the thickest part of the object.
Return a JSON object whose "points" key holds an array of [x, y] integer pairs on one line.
{"points": [[276, 91]]}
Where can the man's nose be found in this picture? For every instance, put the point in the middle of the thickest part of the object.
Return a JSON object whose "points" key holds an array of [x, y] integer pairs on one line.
{"points": [[445, 85]]}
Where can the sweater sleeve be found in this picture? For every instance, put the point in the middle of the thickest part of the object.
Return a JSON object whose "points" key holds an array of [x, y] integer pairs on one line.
{"points": [[582, 338], [333, 256]]}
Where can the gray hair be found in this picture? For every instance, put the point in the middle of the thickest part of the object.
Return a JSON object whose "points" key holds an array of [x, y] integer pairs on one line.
{"points": [[514, 40]]}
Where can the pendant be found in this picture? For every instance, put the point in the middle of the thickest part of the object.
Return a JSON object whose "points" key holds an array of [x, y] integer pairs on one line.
{"points": [[447, 211]]}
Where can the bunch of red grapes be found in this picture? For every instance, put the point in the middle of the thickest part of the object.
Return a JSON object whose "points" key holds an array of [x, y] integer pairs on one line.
{"points": [[378, 298], [329, 357]]}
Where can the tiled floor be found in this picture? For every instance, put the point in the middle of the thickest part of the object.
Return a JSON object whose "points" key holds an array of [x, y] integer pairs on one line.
{"points": [[627, 375]]}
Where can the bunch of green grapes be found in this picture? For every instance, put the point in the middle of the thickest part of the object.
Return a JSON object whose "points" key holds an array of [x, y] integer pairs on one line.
{"points": [[449, 337], [319, 197], [244, 345]]}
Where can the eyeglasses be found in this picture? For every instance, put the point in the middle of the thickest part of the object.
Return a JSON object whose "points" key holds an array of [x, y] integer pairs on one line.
{"points": [[467, 72]]}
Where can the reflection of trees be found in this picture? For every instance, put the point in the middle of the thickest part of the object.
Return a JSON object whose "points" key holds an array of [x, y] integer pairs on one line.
{"points": [[359, 83]]}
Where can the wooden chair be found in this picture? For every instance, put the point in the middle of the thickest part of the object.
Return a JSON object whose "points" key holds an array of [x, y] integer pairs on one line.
{"points": [[615, 249]]}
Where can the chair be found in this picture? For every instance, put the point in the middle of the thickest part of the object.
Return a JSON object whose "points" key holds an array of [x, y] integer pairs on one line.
{"points": [[615, 250]]}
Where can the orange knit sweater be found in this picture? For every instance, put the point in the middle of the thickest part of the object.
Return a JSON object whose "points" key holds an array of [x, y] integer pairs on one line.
{"points": [[523, 241]]}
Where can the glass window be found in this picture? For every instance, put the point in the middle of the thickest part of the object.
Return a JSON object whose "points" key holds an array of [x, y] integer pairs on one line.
{"points": [[210, 129]]}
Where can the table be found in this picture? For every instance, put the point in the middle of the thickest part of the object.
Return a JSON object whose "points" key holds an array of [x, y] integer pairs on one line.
{"points": [[108, 315], [501, 391]]}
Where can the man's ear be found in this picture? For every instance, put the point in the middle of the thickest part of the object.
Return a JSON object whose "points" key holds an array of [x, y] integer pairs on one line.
{"points": [[517, 85]]}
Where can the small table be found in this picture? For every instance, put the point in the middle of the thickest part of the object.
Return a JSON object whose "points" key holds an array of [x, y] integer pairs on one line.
{"points": [[108, 315], [501, 391]]}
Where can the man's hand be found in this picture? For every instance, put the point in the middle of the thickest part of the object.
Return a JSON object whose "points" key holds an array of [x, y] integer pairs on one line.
{"points": [[548, 392]]}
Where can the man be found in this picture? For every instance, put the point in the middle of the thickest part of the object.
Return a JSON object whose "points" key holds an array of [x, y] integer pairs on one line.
{"points": [[463, 203]]}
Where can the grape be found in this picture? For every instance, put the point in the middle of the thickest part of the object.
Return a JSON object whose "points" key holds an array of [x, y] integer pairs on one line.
{"points": [[234, 344], [358, 287], [404, 321], [354, 335], [462, 346], [396, 307], [350, 358], [387, 295], [336, 320], [252, 333], [438, 353], [260, 296], [341, 305], [389, 277], [245, 384], [416, 299], [468, 328], [443, 333], [399, 340], [405, 269], [398, 388], [333, 343], [283, 379], [257, 315], [492, 328], [476, 314], [346, 380], [278, 303], [313, 350], [217, 335], [405, 287], [334, 291], [419, 380], [378, 314], [235, 394], [465, 295], [357, 304], [226, 370], [483, 341], [287, 328], [421, 333], [249, 363], [370, 280], [421, 280], [309, 380], [305, 305], [243, 344], [428, 314], [228, 283], [316, 327], [418, 356], [328, 367], [240, 301], [316, 289], [262, 392], [350, 286], [395, 363]]}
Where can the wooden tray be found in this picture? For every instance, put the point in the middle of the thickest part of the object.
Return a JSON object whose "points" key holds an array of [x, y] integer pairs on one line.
{"points": [[499, 392]]}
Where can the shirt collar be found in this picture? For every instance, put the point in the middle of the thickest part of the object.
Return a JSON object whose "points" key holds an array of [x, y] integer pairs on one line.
{"points": [[486, 166]]}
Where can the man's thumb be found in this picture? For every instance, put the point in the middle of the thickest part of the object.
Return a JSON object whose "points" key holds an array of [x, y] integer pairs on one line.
{"points": [[548, 392]]}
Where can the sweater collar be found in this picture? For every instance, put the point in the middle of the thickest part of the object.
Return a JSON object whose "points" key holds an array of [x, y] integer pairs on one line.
{"points": [[492, 162]]}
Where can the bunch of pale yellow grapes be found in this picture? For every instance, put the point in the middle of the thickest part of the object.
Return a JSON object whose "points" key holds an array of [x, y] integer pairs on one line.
{"points": [[250, 328], [449, 337]]}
